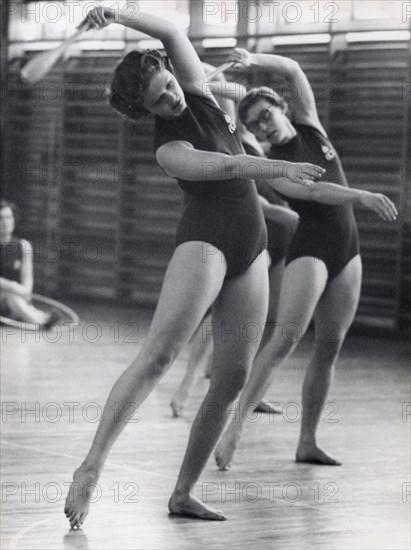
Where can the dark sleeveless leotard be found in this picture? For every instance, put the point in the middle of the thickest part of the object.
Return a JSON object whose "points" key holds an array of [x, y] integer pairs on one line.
{"points": [[223, 213], [279, 235], [326, 232], [11, 257]]}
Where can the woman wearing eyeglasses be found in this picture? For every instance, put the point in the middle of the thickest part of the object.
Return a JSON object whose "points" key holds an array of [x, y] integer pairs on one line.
{"points": [[322, 278]]}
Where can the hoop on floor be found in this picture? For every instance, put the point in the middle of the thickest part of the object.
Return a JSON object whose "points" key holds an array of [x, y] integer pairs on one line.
{"points": [[66, 316]]}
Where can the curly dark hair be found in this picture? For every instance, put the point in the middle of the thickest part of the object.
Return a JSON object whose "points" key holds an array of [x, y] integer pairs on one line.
{"points": [[131, 78], [254, 95]]}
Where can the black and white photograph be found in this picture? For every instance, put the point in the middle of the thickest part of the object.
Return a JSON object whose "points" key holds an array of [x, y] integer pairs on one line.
{"points": [[205, 268]]}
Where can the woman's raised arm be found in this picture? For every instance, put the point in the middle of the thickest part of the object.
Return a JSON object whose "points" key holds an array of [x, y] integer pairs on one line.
{"points": [[301, 100], [186, 63]]}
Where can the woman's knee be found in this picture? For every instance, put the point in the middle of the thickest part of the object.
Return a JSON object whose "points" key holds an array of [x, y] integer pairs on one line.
{"points": [[330, 336], [230, 382], [284, 342], [157, 361], [327, 351], [12, 299]]}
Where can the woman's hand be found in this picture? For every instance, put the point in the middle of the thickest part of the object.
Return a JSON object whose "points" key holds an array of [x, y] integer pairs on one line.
{"points": [[98, 18], [381, 204], [241, 57], [302, 173]]}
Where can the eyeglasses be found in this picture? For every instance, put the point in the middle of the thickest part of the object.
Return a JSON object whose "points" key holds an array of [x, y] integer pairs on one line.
{"points": [[263, 117]]}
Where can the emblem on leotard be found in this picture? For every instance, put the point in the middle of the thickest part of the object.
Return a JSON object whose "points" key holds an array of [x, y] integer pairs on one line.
{"points": [[231, 124], [328, 152]]}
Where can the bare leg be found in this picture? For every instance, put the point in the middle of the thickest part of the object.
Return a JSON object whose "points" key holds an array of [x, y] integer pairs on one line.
{"points": [[242, 302], [22, 310], [208, 366], [303, 283], [202, 345], [275, 276], [333, 318], [190, 287]]}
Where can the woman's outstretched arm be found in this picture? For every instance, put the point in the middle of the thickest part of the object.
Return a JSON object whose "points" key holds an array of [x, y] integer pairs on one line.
{"points": [[181, 160], [329, 193], [186, 63]]}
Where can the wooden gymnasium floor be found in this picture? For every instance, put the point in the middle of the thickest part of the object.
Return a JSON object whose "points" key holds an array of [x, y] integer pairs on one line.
{"points": [[270, 501]]}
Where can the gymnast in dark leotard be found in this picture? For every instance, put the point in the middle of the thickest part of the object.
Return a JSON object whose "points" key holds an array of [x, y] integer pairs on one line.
{"points": [[281, 223], [326, 232], [322, 278], [197, 144], [206, 127]]}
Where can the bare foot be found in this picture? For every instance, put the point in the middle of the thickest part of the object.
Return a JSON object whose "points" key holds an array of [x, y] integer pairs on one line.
{"points": [[190, 506], [267, 408], [79, 495], [311, 454], [177, 407], [226, 447]]}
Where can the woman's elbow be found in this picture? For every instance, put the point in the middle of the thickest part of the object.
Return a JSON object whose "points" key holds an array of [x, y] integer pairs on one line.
{"points": [[294, 67], [293, 219]]}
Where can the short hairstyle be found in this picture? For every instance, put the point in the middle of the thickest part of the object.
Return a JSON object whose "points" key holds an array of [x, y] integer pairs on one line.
{"points": [[12, 206], [254, 95], [131, 78]]}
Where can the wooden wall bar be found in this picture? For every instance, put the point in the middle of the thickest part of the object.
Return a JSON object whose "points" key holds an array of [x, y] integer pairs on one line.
{"points": [[111, 212]]}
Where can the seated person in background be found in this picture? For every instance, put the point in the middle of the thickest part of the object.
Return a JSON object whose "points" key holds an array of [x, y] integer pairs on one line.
{"points": [[16, 273]]}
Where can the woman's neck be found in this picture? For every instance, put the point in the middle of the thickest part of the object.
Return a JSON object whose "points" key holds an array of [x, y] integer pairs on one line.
{"points": [[291, 132]]}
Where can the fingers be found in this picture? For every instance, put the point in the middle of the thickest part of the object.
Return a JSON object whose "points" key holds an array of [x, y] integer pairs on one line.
{"points": [[240, 58], [95, 18], [379, 207], [391, 208], [386, 208], [306, 182], [308, 173], [312, 171]]}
